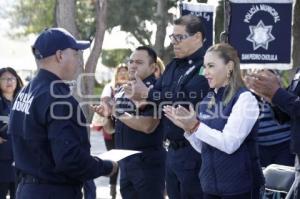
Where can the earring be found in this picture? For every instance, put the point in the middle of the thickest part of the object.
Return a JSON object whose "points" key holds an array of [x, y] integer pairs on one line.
{"points": [[229, 74]]}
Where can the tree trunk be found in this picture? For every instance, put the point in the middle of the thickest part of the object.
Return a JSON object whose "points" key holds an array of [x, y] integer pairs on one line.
{"points": [[65, 18], [296, 35], [90, 67], [161, 23]]}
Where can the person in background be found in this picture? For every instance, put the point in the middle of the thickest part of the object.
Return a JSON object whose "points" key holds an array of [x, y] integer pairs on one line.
{"points": [[224, 129], [273, 137], [107, 124], [286, 106], [10, 85], [159, 68]]}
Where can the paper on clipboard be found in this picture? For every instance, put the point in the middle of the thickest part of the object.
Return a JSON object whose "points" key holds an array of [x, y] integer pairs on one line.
{"points": [[117, 154]]}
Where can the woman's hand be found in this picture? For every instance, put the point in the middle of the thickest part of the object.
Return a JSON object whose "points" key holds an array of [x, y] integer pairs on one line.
{"points": [[181, 117]]}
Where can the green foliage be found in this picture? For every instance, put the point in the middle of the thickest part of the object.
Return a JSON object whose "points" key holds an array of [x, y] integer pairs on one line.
{"points": [[85, 18], [32, 16], [132, 17], [112, 58]]}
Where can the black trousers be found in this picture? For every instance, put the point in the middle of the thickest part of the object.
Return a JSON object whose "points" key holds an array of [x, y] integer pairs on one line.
{"points": [[110, 144], [256, 193], [6, 187], [276, 154]]}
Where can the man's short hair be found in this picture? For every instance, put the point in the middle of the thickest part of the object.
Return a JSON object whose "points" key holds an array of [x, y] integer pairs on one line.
{"points": [[152, 54], [192, 23]]}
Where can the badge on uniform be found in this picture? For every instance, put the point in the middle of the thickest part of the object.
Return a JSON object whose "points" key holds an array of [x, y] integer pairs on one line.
{"points": [[148, 84]]}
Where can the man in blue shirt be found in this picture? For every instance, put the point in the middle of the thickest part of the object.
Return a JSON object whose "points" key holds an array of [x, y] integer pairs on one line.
{"points": [[137, 128], [181, 83], [51, 148]]}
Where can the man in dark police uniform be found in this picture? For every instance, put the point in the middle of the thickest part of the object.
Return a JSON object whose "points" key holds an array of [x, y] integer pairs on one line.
{"points": [[286, 107], [181, 83], [142, 175], [51, 148]]}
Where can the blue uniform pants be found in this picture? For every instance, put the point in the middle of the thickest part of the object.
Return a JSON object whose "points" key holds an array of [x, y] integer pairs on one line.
{"points": [[143, 176], [89, 189], [48, 191], [182, 175]]}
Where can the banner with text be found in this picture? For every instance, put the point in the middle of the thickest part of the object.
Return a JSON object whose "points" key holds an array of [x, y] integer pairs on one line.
{"points": [[261, 32], [206, 13]]}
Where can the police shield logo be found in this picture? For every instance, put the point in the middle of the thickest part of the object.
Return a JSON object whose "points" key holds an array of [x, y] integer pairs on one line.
{"points": [[261, 32], [260, 35]]}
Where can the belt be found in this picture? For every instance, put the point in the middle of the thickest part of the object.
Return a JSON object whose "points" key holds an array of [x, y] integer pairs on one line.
{"points": [[29, 179], [177, 144]]}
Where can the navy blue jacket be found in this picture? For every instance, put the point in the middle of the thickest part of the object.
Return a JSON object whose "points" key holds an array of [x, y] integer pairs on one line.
{"points": [[222, 173], [48, 141], [128, 138], [288, 102], [5, 148], [181, 83], [7, 173]]}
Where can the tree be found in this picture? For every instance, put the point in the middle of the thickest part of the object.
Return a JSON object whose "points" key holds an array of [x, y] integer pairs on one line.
{"points": [[112, 58], [219, 21], [32, 16]]}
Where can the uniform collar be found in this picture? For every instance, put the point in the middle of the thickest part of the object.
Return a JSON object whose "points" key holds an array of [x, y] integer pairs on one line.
{"points": [[149, 80], [47, 75], [193, 58]]}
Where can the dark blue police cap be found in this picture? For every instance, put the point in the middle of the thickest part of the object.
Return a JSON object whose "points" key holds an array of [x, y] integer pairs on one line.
{"points": [[54, 39]]}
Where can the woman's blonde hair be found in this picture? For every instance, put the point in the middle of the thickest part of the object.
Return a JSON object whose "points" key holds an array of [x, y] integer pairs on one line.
{"points": [[160, 65], [235, 81], [114, 81]]}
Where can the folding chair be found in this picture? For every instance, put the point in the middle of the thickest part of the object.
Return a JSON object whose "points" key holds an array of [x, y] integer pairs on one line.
{"points": [[279, 178]]}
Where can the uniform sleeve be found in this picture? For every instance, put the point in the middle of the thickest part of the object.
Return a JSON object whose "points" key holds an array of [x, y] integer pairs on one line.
{"points": [[155, 94], [240, 122], [287, 102], [70, 145]]}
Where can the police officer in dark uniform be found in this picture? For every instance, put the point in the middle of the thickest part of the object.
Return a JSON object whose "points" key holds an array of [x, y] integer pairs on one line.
{"points": [[181, 83], [287, 108], [10, 85], [50, 145], [142, 175]]}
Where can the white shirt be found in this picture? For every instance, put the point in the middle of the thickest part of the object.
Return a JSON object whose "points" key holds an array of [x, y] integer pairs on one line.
{"points": [[240, 122], [107, 90]]}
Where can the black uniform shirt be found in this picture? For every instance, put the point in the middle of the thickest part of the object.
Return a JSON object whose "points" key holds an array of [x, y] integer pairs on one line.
{"points": [[128, 138], [181, 83], [48, 141]]}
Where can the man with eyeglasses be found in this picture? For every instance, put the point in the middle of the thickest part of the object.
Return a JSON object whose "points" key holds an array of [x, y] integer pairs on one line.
{"points": [[181, 83]]}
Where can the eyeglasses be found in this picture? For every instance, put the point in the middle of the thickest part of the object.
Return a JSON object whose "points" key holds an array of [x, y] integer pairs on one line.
{"points": [[179, 38], [8, 79]]}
